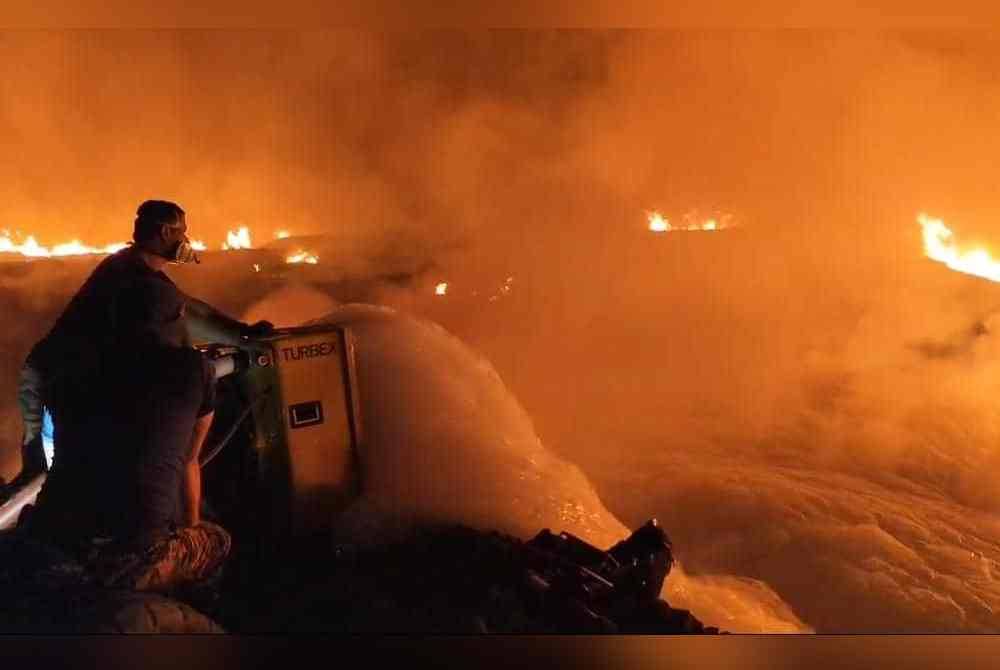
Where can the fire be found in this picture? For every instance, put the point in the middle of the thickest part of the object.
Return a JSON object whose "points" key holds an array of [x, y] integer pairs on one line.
{"points": [[32, 249], [657, 223], [302, 257], [441, 288], [28, 246], [939, 245], [238, 239]]}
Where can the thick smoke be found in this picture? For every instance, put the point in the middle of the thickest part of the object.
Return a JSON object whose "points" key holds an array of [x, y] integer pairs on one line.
{"points": [[802, 400]]}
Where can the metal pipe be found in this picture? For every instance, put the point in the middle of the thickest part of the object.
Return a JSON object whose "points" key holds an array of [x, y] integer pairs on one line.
{"points": [[225, 365], [207, 458]]}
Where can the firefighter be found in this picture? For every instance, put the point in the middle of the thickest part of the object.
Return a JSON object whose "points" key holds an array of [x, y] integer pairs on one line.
{"points": [[80, 342], [123, 496]]}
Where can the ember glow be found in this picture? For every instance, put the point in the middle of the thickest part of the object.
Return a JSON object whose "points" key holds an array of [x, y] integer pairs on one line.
{"points": [[238, 239], [657, 223], [29, 247], [939, 245], [441, 288], [302, 257], [32, 249]]}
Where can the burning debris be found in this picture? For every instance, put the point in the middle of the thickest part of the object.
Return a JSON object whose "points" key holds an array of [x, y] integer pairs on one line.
{"points": [[302, 257], [657, 223], [32, 249], [239, 239], [492, 293], [939, 245], [504, 290]]}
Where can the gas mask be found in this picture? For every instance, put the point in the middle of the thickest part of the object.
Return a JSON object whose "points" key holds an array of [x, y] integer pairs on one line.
{"points": [[181, 252]]}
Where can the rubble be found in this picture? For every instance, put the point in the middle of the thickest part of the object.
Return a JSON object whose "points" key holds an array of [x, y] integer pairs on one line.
{"points": [[457, 579], [438, 580]]}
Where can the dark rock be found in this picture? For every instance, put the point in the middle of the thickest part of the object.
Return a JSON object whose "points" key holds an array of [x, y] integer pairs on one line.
{"points": [[439, 580], [458, 579]]}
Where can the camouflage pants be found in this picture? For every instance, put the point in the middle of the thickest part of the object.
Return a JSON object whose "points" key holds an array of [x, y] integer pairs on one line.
{"points": [[183, 556]]}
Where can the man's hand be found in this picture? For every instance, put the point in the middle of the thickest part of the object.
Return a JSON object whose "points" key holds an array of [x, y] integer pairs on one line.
{"points": [[259, 329]]}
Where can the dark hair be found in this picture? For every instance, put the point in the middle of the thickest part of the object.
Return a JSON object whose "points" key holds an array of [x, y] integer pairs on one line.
{"points": [[151, 215]]}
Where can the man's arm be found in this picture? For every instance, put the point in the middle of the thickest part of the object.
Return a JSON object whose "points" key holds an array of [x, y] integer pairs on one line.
{"points": [[191, 487], [207, 324], [29, 399]]}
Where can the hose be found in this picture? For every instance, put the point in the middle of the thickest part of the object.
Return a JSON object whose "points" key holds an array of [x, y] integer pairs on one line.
{"points": [[207, 458]]}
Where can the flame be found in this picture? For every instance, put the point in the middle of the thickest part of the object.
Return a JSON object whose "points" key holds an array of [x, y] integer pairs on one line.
{"points": [[28, 246], [441, 288], [238, 239], [939, 245], [504, 290], [659, 224], [302, 257], [32, 249]]}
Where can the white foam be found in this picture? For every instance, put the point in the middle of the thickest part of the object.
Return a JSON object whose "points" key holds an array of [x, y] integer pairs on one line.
{"points": [[446, 441]]}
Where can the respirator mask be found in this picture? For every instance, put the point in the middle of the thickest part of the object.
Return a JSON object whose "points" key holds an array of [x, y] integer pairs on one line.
{"points": [[181, 252]]}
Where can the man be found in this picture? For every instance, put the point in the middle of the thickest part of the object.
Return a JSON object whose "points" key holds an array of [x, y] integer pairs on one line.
{"points": [[124, 491], [82, 338]]}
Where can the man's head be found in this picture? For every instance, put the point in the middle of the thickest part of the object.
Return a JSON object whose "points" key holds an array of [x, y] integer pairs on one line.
{"points": [[160, 229], [150, 311]]}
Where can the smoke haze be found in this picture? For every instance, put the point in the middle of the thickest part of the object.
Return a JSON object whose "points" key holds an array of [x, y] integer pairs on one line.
{"points": [[802, 400]]}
